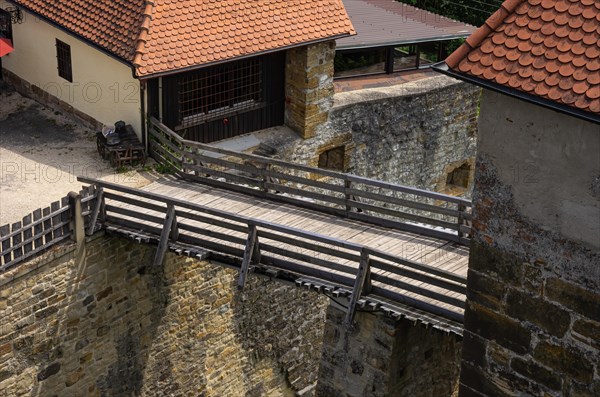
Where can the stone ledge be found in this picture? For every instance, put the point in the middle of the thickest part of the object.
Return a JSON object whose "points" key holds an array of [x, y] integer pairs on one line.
{"points": [[424, 87]]}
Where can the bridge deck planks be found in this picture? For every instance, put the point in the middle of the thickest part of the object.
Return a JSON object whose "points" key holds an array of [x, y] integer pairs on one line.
{"points": [[422, 249]]}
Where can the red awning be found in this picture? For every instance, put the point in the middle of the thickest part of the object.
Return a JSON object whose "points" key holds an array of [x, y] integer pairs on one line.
{"points": [[6, 46]]}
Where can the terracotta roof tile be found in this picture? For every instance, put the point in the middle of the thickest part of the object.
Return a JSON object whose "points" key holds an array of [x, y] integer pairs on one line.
{"points": [[113, 25], [159, 36], [548, 48], [207, 31]]}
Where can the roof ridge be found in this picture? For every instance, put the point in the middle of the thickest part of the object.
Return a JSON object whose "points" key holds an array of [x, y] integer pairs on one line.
{"points": [[490, 25], [142, 39]]}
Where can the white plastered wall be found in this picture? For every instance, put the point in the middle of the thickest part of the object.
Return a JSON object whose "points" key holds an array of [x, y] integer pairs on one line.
{"points": [[103, 87]]}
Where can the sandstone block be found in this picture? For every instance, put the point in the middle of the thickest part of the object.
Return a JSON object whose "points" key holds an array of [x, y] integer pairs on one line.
{"points": [[537, 373], [589, 332], [74, 377], [476, 380], [47, 372], [574, 297], [485, 290], [44, 313], [496, 263], [494, 326], [546, 315], [565, 359], [473, 349]]}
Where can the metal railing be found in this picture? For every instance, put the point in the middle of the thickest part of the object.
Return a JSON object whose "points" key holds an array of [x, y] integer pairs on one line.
{"points": [[349, 196]]}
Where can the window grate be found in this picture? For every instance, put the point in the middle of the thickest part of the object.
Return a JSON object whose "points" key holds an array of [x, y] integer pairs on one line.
{"points": [[219, 91], [63, 55], [5, 25]]}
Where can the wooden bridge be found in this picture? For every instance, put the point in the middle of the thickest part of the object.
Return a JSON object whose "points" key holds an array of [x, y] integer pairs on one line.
{"points": [[386, 247], [383, 246]]}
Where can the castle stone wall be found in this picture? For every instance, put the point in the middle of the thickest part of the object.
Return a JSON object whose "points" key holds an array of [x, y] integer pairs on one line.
{"points": [[532, 323], [108, 323]]}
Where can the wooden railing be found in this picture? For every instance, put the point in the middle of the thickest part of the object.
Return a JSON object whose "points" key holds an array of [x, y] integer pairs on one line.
{"points": [[363, 271], [350, 196], [41, 229]]}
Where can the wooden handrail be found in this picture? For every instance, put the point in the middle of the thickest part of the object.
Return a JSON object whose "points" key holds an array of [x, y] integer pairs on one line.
{"points": [[316, 260], [347, 195]]}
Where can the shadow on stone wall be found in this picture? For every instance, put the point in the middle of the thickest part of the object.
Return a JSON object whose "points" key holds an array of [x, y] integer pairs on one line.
{"points": [[380, 356], [111, 324], [108, 306], [281, 326]]}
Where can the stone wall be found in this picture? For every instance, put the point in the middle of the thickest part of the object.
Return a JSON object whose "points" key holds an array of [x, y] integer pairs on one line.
{"points": [[414, 134], [110, 324], [382, 357], [532, 324], [309, 87]]}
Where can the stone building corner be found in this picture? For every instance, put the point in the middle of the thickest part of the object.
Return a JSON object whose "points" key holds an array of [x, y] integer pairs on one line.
{"points": [[309, 87]]}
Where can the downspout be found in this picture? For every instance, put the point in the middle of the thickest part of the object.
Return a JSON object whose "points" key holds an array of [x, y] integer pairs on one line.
{"points": [[142, 108], [137, 61], [143, 111]]}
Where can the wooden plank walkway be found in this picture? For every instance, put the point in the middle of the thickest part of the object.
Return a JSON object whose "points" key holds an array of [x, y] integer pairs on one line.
{"points": [[438, 253]]}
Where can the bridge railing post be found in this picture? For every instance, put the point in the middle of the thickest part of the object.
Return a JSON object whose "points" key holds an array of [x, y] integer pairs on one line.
{"points": [[99, 211], [461, 219], [362, 284], [348, 196], [163, 243], [251, 254], [77, 224], [267, 178]]}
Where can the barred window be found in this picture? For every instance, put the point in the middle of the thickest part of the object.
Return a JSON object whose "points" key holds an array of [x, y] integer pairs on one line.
{"points": [[63, 55], [219, 91], [5, 25]]}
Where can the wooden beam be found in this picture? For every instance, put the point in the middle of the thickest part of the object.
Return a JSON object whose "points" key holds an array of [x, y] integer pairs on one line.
{"points": [[163, 244], [77, 226], [174, 227], [97, 208], [248, 255], [362, 283]]}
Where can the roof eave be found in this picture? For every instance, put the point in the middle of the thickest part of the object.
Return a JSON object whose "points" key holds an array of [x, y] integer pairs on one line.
{"points": [[74, 34], [254, 54], [443, 68], [403, 42]]}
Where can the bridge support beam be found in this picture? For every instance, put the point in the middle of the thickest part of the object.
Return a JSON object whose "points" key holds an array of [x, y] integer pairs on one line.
{"points": [[251, 254], [362, 285], [382, 356], [169, 229]]}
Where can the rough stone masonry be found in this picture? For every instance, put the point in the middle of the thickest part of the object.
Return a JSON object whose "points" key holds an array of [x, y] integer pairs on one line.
{"points": [[532, 323], [414, 134], [382, 357], [110, 324]]}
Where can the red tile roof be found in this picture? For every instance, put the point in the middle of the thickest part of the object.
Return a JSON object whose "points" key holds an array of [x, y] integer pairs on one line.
{"points": [[111, 24], [184, 33], [546, 48], [159, 36]]}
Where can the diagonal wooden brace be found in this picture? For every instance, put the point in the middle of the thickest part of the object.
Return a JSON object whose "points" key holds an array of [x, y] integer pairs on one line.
{"points": [[361, 284], [251, 254], [163, 244], [98, 208]]}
